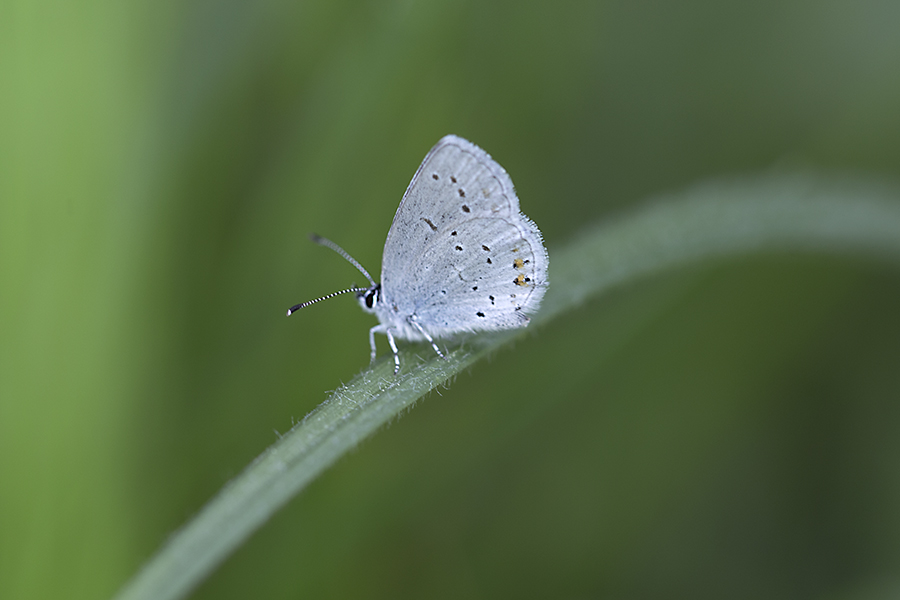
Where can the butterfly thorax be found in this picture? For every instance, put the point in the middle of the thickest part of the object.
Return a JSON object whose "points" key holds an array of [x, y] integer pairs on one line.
{"points": [[372, 300]]}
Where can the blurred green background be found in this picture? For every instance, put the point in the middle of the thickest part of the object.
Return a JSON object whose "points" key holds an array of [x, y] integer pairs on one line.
{"points": [[731, 430]]}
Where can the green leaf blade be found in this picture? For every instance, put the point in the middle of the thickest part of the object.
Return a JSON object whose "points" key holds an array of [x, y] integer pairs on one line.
{"points": [[793, 212]]}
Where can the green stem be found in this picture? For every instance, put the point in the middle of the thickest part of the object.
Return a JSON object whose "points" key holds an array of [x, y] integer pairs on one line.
{"points": [[779, 212]]}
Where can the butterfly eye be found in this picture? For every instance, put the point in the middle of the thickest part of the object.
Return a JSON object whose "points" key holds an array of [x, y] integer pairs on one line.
{"points": [[371, 297]]}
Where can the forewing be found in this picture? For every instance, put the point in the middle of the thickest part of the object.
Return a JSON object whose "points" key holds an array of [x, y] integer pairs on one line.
{"points": [[456, 181]]}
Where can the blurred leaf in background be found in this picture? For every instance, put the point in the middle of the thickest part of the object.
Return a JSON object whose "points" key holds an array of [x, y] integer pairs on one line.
{"points": [[727, 430]]}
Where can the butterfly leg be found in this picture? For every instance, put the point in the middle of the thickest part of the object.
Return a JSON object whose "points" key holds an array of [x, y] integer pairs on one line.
{"points": [[386, 331], [372, 332], [393, 344], [415, 323]]}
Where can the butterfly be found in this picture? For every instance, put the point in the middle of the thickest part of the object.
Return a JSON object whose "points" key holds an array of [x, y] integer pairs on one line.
{"points": [[459, 257]]}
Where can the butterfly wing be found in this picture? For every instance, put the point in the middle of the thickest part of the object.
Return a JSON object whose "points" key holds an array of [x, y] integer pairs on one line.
{"points": [[460, 256]]}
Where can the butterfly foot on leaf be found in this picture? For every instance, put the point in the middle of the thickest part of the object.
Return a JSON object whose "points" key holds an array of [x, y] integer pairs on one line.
{"points": [[396, 352], [396, 364]]}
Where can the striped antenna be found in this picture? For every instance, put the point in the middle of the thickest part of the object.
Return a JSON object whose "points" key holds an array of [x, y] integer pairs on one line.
{"points": [[329, 244], [297, 307]]}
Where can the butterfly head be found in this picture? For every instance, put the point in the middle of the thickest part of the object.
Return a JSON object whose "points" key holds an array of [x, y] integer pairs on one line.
{"points": [[369, 297]]}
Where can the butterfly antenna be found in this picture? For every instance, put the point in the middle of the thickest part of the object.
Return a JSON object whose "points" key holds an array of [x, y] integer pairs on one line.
{"points": [[297, 307], [329, 244]]}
